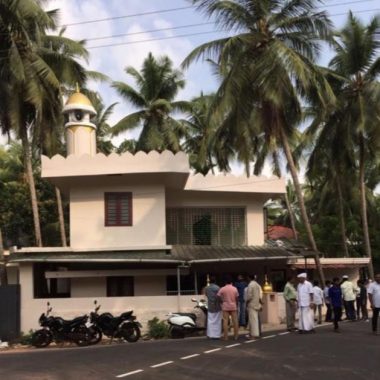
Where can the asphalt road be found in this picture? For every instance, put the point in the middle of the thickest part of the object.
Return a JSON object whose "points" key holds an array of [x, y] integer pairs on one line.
{"points": [[353, 354]]}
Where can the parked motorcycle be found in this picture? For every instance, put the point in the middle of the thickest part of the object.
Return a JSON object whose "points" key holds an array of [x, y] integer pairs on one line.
{"points": [[59, 330], [182, 324], [123, 327]]}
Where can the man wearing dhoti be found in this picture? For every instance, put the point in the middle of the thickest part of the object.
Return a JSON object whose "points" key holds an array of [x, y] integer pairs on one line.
{"points": [[214, 313], [254, 306], [305, 298]]}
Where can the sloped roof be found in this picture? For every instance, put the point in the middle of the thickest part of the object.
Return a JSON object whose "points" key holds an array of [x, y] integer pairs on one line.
{"points": [[178, 254]]}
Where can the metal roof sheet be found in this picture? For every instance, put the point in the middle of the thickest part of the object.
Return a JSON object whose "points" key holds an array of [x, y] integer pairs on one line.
{"points": [[178, 254]]}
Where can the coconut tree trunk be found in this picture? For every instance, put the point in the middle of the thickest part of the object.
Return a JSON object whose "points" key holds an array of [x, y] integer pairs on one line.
{"points": [[291, 216], [32, 188], [363, 208], [305, 218], [61, 218], [341, 217], [3, 268]]}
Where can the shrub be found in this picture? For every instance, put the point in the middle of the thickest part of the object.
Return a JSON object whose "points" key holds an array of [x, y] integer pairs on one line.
{"points": [[157, 329], [25, 338]]}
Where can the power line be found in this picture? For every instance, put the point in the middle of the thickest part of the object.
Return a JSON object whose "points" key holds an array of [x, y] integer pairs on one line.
{"points": [[154, 39], [128, 16], [196, 34], [149, 31], [184, 8], [347, 3]]}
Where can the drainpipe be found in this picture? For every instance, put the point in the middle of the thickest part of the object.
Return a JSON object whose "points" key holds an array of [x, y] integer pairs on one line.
{"points": [[195, 283], [179, 288]]}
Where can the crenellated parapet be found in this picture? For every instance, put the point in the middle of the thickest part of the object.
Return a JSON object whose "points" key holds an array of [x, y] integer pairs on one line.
{"points": [[114, 164]]}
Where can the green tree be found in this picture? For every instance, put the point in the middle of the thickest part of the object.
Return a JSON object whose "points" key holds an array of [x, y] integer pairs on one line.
{"points": [[200, 142], [33, 66], [270, 71], [157, 86], [357, 61]]}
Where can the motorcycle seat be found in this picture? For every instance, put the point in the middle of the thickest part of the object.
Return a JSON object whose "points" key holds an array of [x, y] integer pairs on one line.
{"points": [[76, 320], [126, 315], [191, 315]]}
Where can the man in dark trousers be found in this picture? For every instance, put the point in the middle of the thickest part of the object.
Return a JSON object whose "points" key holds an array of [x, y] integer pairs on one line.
{"points": [[335, 296], [240, 285]]}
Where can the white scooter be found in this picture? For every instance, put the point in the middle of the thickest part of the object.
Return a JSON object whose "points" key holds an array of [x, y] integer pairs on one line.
{"points": [[182, 324]]}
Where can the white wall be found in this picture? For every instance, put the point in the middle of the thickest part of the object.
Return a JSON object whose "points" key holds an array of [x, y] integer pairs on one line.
{"points": [[87, 228], [145, 307], [252, 202], [88, 287]]}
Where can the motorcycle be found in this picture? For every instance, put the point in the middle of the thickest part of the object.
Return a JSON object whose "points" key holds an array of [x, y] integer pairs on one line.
{"points": [[182, 324], [59, 330], [123, 327]]}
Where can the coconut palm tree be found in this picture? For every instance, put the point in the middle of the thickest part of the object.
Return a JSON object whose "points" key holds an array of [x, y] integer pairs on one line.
{"points": [[270, 71], [157, 86], [201, 140], [357, 61], [33, 66]]}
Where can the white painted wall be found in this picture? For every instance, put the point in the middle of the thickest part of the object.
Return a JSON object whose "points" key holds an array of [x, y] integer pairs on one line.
{"points": [[150, 286], [88, 287], [252, 202], [145, 307], [87, 228]]}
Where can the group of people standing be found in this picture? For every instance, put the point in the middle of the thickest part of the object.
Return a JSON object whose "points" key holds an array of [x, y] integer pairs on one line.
{"points": [[239, 302], [337, 295]]}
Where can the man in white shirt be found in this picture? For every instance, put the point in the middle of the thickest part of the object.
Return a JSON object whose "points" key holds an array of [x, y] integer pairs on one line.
{"points": [[318, 300], [305, 298], [349, 296], [254, 306], [374, 300]]}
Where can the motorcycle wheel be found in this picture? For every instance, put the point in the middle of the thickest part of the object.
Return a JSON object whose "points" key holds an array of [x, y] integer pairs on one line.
{"points": [[41, 338], [95, 334], [82, 336], [131, 333]]}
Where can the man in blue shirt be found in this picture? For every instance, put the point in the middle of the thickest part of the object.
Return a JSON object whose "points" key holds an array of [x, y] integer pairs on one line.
{"points": [[335, 296], [240, 285]]}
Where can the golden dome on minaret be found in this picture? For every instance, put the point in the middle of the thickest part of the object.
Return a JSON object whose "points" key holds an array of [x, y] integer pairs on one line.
{"points": [[77, 100]]}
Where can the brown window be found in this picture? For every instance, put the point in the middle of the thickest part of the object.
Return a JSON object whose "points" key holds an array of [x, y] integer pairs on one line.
{"points": [[118, 209]]}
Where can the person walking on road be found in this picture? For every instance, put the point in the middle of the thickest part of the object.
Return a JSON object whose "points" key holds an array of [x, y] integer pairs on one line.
{"points": [[335, 296], [361, 301], [290, 296], [254, 306], [305, 298], [240, 285], [318, 301], [214, 313], [374, 300], [326, 299], [349, 296], [229, 296]]}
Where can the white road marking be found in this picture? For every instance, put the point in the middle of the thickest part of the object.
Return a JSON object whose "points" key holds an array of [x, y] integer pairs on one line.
{"points": [[284, 333], [189, 356], [209, 351], [269, 336], [250, 341], [161, 364], [233, 345], [130, 373]]}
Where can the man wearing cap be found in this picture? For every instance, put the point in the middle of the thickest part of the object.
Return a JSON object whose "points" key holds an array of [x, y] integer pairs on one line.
{"points": [[305, 297], [349, 296]]}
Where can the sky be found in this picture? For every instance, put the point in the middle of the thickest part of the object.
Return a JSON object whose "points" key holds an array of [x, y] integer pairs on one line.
{"points": [[112, 60]]}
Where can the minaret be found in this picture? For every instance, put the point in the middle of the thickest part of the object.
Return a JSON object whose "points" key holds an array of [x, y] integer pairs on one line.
{"points": [[80, 132]]}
